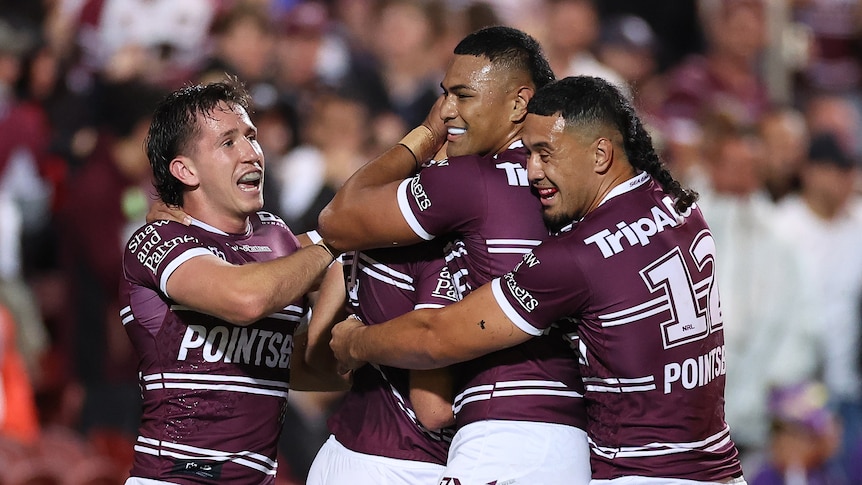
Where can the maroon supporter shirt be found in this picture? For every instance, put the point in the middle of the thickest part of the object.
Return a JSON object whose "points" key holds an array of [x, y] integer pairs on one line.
{"points": [[485, 211], [213, 393], [376, 417], [640, 280]]}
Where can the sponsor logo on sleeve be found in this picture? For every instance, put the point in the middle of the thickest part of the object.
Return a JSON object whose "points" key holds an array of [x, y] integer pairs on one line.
{"points": [[418, 192], [150, 248], [524, 298]]}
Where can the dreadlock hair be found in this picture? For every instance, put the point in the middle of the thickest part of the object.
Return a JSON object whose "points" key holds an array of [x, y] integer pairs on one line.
{"points": [[591, 101], [511, 49], [175, 125]]}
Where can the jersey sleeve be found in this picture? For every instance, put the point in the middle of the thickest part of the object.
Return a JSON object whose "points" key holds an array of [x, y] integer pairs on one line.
{"points": [[443, 198], [156, 250], [434, 286], [544, 287]]}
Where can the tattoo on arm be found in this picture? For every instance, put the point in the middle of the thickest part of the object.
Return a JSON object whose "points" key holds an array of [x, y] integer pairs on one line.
{"points": [[482, 324]]}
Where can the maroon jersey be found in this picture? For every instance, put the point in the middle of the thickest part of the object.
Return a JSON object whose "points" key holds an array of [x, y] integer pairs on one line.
{"points": [[639, 278], [213, 393], [376, 417], [485, 211]]}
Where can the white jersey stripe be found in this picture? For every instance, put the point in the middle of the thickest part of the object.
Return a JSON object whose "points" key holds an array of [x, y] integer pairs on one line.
{"points": [[176, 262], [377, 275], [712, 443], [512, 389], [249, 459], [383, 268], [404, 205], [218, 378], [509, 310], [292, 313], [225, 387]]}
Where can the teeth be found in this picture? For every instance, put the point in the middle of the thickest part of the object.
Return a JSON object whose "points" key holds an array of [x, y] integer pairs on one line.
{"points": [[456, 131], [250, 177]]}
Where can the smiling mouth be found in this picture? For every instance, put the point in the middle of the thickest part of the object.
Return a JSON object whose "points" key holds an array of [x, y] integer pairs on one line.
{"points": [[454, 133], [547, 193], [250, 181]]}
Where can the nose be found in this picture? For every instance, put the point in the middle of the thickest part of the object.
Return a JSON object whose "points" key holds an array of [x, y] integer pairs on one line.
{"points": [[251, 150], [448, 110], [535, 172]]}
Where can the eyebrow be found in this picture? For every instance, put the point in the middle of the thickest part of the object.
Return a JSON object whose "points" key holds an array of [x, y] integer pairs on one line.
{"points": [[457, 87]]}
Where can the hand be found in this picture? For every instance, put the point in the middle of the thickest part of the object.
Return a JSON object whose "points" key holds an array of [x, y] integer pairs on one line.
{"points": [[434, 123], [164, 212], [340, 344]]}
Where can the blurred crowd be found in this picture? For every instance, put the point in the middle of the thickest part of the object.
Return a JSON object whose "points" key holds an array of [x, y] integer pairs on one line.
{"points": [[755, 103]]}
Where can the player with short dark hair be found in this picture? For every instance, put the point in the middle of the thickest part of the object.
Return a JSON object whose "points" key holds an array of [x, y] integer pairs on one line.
{"points": [[519, 412], [633, 263], [212, 308]]}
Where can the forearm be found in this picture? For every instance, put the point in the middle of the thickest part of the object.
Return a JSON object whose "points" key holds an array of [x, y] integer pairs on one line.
{"points": [[407, 342], [328, 310], [243, 294]]}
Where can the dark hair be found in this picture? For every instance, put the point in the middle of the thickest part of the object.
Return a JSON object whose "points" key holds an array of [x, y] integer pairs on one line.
{"points": [[585, 100], [510, 48], [175, 124]]}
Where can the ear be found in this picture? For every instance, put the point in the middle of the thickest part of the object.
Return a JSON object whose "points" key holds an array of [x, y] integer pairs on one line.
{"points": [[522, 98], [604, 153], [183, 168]]}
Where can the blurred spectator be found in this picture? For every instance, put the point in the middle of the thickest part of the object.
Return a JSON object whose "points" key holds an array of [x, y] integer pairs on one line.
{"points": [[675, 23], [838, 115], [804, 438], [243, 40], [108, 198], [409, 51], [310, 56], [835, 25], [121, 40], [573, 28], [785, 138], [825, 223], [629, 46], [725, 79], [334, 144], [765, 307]]}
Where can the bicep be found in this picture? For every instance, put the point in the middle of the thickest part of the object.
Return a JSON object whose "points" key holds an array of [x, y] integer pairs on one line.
{"points": [[206, 284], [473, 327]]}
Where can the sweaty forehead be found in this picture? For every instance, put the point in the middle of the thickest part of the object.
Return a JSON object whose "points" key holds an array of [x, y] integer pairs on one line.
{"points": [[474, 72], [540, 129]]}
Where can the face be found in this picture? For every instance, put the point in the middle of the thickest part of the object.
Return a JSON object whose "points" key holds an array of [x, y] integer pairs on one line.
{"points": [[560, 169], [479, 107], [228, 164]]}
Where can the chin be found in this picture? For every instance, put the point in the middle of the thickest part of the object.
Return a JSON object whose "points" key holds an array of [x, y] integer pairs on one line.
{"points": [[555, 222]]}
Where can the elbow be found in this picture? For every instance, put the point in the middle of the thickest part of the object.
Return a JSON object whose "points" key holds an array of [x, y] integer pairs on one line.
{"points": [[328, 225], [246, 309], [436, 419]]}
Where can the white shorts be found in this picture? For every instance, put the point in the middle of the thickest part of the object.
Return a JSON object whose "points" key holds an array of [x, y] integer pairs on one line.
{"points": [[664, 481], [518, 453], [337, 465], [146, 481]]}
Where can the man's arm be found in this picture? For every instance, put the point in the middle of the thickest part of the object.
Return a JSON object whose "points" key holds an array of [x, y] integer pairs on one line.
{"points": [[243, 294], [328, 310], [364, 213], [431, 397], [429, 338], [303, 377]]}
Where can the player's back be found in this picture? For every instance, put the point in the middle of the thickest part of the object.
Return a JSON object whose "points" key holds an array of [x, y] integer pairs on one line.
{"points": [[213, 392], [376, 417], [652, 334], [484, 209]]}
